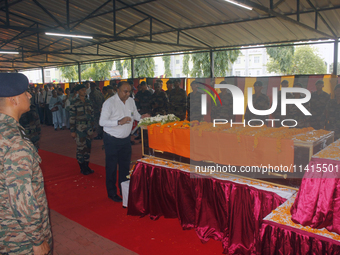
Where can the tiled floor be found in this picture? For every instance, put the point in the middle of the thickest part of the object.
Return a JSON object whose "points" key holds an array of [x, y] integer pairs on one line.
{"points": [[69, 237]]}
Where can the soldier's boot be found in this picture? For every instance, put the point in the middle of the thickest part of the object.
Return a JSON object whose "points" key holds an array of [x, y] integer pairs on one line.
{"points": [[87, 168], [83, 169]]}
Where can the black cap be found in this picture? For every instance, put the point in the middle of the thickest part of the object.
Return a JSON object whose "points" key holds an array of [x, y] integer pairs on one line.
{"points": [[258, 83], [12, 84], [79, 87]]}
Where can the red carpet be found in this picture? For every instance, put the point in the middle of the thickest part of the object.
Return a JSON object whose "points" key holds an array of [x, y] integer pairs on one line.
{"points": [[83, 199]]}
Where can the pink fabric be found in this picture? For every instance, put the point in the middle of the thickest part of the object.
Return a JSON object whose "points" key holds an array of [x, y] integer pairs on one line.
{"points": [[318, 201], [222, 210], [279, 239]]}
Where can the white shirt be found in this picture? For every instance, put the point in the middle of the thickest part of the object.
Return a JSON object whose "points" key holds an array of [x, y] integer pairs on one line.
{"points": [[48, 98], [114, 110]]}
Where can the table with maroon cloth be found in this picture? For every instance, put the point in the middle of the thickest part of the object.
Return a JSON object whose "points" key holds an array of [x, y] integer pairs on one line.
{"points": [[318, 201], [223, 210]]}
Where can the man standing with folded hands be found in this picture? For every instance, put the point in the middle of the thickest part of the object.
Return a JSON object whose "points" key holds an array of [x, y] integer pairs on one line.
{"points": [[116, 118]]}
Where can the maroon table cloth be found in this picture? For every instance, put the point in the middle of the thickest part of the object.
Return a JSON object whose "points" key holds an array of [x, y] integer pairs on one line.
{"points": [[318, 202], [280, 239], [225, 211]]}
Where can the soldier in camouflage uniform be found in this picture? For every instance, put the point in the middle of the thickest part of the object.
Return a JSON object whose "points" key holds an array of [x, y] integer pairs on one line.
{"points": [[332, 113], [277, 113], [24, 226], [177, 101], [260, 102], [159, 101], [142, 99], [293, 112], [318, 102], [170, 86], [194, 100], [31, 123], [226, 110], [97, 100], [81, 126]]}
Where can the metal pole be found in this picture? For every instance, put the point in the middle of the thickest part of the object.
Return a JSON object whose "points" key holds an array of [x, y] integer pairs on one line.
{"points": [[114, 18], [335, 61], [211, 64], [42, 75], [132, 68], [79, 72]]}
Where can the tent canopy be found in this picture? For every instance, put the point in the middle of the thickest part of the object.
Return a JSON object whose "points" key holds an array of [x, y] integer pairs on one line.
{"points": [[136, 28]]}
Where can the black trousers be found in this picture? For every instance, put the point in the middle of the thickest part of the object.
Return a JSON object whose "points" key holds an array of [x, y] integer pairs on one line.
{"points": [[117, 152]]}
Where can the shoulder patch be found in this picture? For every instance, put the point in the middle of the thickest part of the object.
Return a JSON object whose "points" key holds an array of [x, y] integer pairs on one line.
{"points": [[23, 134]]}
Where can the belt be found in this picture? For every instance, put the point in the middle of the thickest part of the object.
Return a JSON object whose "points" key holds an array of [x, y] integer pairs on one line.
{"points": [[83, 122]]}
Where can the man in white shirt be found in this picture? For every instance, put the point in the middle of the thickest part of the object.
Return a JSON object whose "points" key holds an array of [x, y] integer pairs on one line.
{"points": [[116, 118]]}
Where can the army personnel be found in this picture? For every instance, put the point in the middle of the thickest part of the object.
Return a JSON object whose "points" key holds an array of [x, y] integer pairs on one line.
{"points": [[31, 123], [143, 98], [277, 113], [159, 101], [332, 113], [260, 102], [318, 104], [177, 100], [25, 226], [194, 103], [224, 111], [293, 112], [81, 126], [169, 85], [97, 100]]}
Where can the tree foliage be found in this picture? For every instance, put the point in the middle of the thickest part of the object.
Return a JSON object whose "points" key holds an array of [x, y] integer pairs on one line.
{"points": [[144, 67], [281, 59], [223, 61], [119, 67], [307, 61], [127, 65], [69, 72], [186, 69], [167, 60], [97, 71]]}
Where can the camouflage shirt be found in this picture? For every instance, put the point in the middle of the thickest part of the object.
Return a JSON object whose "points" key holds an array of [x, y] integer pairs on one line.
{"points": [[333, 117], [143, 103], [177, 103], [159, 103], [226, 110], [81, 113], [97, 100], [23, 206], [31, 123], [260, 102], [194, 106], [317, 108]]}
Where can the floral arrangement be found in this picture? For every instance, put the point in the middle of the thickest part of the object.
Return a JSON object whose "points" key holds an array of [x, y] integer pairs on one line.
{"points": [[163, 119]]}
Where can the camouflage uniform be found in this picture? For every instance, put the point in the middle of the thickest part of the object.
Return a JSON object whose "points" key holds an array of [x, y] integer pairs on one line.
{"points": [[24, 210], [81, 122], [162, 103], [295, 113], [317, 107], [177, 103], [31, 123], [277, 113], [144, 101], [260, 102], [226, 110], [194, 106], [333, 117], [97, 100]]}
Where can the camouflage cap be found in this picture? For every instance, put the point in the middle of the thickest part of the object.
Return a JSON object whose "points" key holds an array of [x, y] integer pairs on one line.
{"points": [[12, 84], [79, 87]]}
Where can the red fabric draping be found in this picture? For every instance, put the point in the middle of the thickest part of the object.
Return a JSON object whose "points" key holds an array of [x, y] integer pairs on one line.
{"points": [[279, 239], [318, 201], [222, 210]]}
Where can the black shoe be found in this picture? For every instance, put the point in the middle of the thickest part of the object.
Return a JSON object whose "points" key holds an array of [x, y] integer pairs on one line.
{"points": [[87, 168], [98, 137], [56, 129], [83, 169], [116, 198]]}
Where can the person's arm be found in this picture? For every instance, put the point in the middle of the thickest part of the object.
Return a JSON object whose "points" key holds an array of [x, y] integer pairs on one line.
{"points": [[21, 194], [51, 104], [136, 114]]}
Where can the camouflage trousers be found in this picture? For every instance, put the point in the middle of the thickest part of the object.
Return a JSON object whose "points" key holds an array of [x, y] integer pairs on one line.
{"points": [[83, 140]]}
